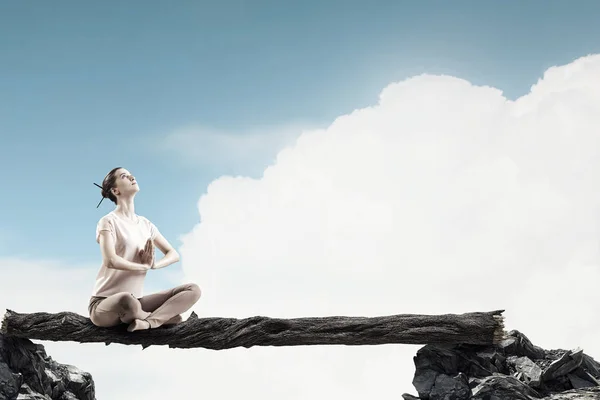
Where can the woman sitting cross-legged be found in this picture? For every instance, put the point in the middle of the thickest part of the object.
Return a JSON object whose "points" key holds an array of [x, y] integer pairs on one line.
{"points": [[127, 245]]}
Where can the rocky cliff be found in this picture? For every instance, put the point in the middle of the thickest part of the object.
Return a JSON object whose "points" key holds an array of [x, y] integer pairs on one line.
{"points": [[515, 369], [28, 373]]}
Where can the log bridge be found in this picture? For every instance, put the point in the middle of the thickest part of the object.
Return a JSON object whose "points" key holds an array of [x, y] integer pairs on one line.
{"points": [[479, 328]]}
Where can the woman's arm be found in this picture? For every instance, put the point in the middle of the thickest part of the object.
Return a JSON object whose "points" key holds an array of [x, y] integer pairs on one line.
{"points": [[110, 257], [170, 254]]}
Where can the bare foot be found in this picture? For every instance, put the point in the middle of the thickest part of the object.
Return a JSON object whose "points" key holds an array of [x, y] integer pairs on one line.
{"points": [[141, 315], [138, 324], [175, 320]]}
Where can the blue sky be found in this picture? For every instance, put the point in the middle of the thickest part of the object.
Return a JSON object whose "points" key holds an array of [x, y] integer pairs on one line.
{"points": [[88, 86]]}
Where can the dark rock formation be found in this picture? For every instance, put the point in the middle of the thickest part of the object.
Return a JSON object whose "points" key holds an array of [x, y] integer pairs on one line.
{"points": [[27, 373], [482, 328], [514, 369]]}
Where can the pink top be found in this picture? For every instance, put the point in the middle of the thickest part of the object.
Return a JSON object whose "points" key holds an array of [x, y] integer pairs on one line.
{"points": [[130, 237]]}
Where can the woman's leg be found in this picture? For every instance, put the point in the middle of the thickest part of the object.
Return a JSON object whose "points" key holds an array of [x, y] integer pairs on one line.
{"points": [[165, 306], [116, 309]]}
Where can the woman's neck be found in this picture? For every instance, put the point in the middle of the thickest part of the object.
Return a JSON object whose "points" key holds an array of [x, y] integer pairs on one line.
{"points": [[126, 209]]}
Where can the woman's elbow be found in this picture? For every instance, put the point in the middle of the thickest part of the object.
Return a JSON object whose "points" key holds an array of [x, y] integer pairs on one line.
{"points": [[110, 262], [173, 255]]}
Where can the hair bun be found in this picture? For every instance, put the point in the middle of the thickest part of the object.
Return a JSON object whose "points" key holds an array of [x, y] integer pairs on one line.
{"points": [[108, 183], [104, 192]]}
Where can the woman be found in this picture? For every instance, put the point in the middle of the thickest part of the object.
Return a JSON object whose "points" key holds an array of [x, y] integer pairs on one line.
{"points": [[127, 245]]}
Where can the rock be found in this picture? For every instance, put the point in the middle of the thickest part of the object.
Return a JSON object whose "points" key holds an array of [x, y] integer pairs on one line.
{"points": [[568, 362], [431, 361], [27, 393], [450, 388], [579, 394], [503, 387], [28, 373], [582, 377], [578, 382], [526, 370], [68, 396], [513, 369], [9, 382], [519, 345], [591, 366]]}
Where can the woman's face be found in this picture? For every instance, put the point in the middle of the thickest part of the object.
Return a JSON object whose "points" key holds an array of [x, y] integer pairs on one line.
{"points": [[125, 182]]}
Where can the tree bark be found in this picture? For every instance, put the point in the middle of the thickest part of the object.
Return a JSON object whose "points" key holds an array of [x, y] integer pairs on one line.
{"points": [[482, 328]]}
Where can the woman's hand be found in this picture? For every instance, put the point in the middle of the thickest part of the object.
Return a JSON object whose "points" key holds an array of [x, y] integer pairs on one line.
{"points": [[146, 255]]}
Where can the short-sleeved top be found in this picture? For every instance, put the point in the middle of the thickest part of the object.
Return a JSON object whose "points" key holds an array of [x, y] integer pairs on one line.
{"points": [[130, 237]]}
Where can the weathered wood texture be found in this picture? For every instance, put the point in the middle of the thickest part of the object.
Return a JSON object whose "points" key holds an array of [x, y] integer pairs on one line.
{"points": [[224, 333]]}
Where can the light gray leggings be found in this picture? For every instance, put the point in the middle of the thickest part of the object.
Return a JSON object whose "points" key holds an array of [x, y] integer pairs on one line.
{"points": [[124, 307]]}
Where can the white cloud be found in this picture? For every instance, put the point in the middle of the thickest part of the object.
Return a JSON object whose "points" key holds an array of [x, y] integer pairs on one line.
{"points": [[444, 197]]}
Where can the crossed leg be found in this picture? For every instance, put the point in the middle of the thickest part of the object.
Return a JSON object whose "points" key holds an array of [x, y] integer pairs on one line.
{"points": [[165, 307], [151, 311], [118, 308]]}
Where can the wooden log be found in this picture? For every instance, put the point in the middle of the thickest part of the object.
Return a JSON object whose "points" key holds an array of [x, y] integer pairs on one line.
{"points": [[483, 328]]}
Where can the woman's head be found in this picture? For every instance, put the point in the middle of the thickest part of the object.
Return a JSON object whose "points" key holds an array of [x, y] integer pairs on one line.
{"points": [[118, 182]]}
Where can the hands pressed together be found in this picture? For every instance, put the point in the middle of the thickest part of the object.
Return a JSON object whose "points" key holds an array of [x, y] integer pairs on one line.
{"points": [[146, 255]]}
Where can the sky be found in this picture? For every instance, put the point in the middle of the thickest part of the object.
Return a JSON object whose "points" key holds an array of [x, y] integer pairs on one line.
{"points": [[340, 157]]}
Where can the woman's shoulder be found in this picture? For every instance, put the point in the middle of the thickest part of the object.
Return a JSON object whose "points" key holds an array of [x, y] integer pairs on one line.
{"points": [[107, 217], [149, 224], [144, 220]]}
